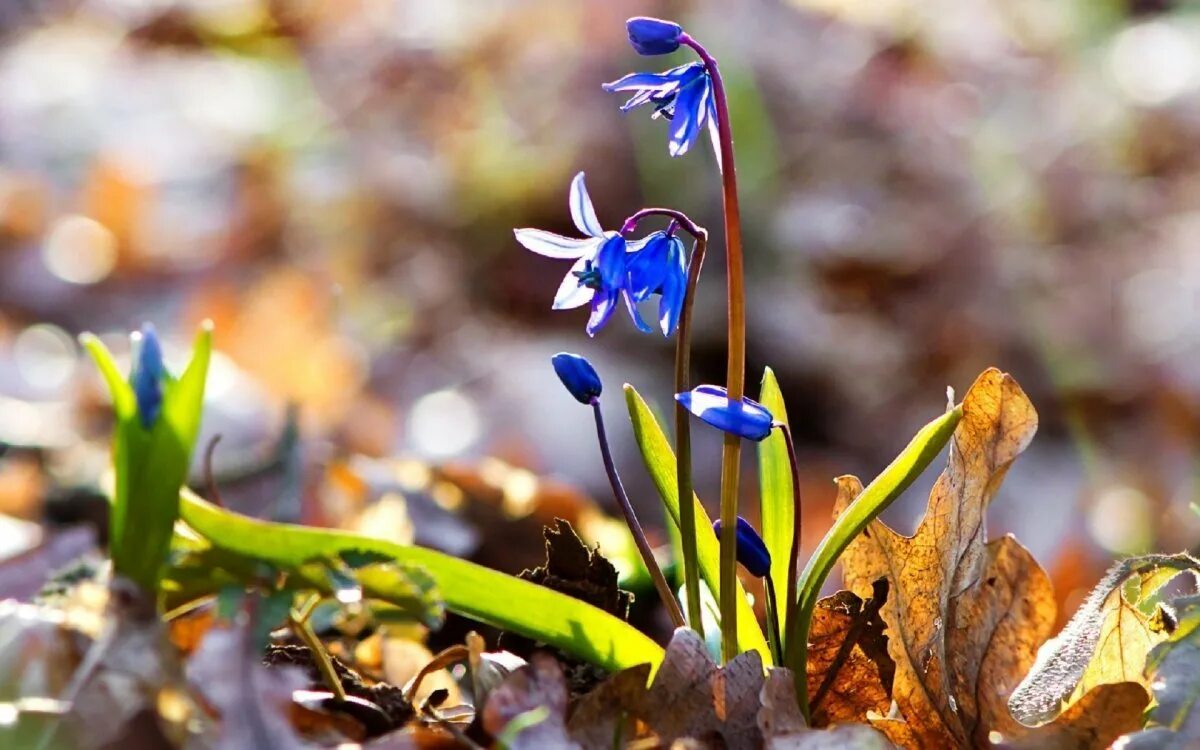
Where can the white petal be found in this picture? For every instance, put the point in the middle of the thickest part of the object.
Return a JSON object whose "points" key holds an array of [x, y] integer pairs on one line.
{"points": [[554, 245], [582, 211], [571, 293]]}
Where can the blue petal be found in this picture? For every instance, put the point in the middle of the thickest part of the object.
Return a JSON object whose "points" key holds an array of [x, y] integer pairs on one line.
{"points": [[572, 293], [711, 403], [582, 211], [648, 267], [634, 315], [578, 375], [691, 107], [554, 245], [603, 305], [610, 261], [674, 289], [641, 81]]}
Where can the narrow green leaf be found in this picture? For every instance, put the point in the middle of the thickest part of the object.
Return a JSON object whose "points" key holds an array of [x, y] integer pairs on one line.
{"points": [[660, 462], [471, 590], [124, 402], [875, 498], [775, 479]]}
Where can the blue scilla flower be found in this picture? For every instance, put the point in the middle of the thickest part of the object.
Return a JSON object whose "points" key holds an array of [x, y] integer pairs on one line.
{"points": [[653, 36], [659, 266], [578, 375], [147, 376], [746, 418], [751, 552], [683, 95], [599, 275]]}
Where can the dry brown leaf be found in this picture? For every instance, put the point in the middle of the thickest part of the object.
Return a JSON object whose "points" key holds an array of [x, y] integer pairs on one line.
{"points": [[782, 726], [965, 616], [537, 685], [849, 669], [600, 718]]}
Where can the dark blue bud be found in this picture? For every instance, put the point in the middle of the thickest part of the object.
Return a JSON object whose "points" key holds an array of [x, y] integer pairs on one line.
{"points": [[751, 551], [147, 376], [653, 36], [745, 418], [578, 375]]}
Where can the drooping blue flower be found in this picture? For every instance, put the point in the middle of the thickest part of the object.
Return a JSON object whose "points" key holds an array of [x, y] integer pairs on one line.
{"points": [[746, 418], [599, 274], [683, 95], [653, 36], [658, 266], [751, 552], [578, 375], [147, 376]]}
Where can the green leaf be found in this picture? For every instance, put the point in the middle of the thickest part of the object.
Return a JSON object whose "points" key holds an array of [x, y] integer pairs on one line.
{"points": [[873, 500], [1173, 673], [775, 478], [150, 465], [660, 462], [471, 590]]}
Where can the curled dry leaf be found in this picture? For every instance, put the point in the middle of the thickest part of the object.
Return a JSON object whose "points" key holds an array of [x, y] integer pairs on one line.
{"points": [[782, 726], [964, 616], [1107, 640], [849, 669], [1096, 720]]}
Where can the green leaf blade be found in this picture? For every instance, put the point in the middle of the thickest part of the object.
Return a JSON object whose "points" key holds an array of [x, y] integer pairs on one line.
{"points": [[775, 479], [660, 463], [471, 590]]}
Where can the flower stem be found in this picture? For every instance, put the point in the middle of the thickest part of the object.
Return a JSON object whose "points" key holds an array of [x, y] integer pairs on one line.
{"points": [[794, 552], [735, 376], [773, 621], [639, 536], [683, 425]]}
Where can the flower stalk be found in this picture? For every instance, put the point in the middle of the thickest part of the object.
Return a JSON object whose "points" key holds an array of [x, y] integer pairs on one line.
{"points": [[735, 375], [635, 527], [683, 427]]}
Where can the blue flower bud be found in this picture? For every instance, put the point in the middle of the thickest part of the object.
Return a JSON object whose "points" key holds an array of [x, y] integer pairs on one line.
{"points": [[147, 376], [745, 418], [653, 36], [751, 551], [578, 375]]}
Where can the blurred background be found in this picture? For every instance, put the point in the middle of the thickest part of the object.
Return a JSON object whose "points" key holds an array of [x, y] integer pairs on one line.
{"points": [[929, 188]]}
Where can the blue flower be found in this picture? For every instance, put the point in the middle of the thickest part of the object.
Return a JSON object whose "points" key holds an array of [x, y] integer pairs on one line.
{"points": [[653, 36], [684, 95], [746, 418], [599, 275], [148, 375], [751, 551], [658, 266], [578, 375]]}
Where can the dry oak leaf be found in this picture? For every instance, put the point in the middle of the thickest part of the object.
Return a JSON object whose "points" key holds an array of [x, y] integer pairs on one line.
{"points": [[849, 670], [965, 616], [1106, 641], [782, 725], [537, 685], [1096, 720]]}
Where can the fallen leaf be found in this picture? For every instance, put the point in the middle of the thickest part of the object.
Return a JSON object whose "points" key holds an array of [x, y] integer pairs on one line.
{"points": [[849, 669], [965, 616], [1106, 641], [782, 726], [253, 701], [572, 568], [537, 685], [602, 717]]}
